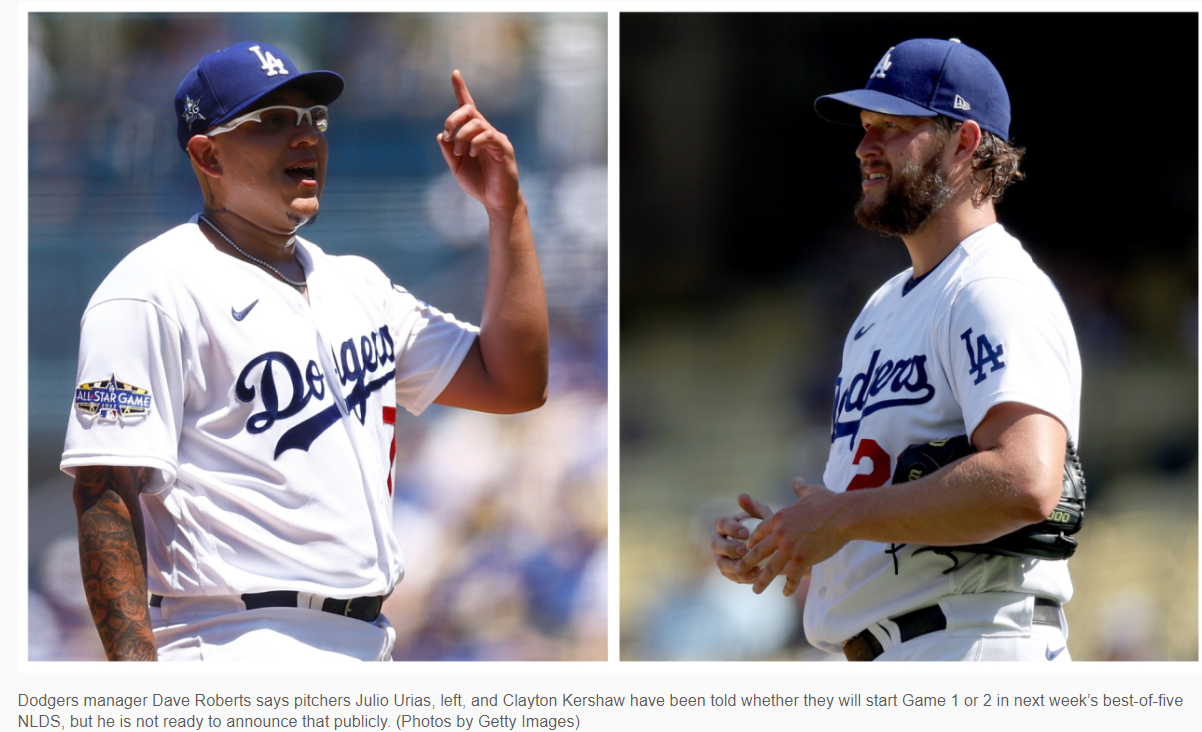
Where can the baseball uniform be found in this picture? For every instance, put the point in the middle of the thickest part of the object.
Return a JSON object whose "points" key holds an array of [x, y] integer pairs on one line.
{"points": [[270, 421], [924, 360]]}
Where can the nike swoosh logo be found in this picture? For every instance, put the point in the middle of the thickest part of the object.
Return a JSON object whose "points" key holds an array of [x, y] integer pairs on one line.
{"points": [[862, 331], [1052, 654], [240, 314]]}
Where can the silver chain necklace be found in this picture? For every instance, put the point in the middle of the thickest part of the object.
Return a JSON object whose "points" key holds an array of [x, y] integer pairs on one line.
{"points": [[254, 259]]}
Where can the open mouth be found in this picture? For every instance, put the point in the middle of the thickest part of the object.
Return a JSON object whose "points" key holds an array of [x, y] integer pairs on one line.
{"points": [[302, 172], [873, 179]]}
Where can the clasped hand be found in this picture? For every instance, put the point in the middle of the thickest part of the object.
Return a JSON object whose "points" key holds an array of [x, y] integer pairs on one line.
{"points": [[789, 541]]}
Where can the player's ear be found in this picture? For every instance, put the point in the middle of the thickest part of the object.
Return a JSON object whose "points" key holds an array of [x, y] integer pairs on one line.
{"points": [[968, 139], [202, 153]]}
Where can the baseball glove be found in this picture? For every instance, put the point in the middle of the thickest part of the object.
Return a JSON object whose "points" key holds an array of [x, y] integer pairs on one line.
{"points": [[1048, 539]]}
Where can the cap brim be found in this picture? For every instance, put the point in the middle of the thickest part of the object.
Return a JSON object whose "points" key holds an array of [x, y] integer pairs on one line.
{"points": [[323, 86], [844, 108]]}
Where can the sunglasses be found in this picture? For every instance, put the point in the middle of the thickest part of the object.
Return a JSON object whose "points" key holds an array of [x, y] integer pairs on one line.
{"points": [[279, 118]]}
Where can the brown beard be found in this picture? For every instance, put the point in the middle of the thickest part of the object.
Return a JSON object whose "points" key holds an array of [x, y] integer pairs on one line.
{"points": [[916, 192]]}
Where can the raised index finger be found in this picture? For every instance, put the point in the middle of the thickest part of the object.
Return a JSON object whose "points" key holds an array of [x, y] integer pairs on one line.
{"points": [[462, 95]]}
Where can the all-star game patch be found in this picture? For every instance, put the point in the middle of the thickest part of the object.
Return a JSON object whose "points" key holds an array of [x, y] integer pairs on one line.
{"points": [[110, 399]]}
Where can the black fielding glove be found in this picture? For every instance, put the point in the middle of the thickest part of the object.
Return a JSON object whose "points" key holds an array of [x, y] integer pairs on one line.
{"points": [[1048, 539]]}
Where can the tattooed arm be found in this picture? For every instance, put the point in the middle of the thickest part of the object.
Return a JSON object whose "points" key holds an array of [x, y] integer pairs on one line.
{"points": [[112, 554]]}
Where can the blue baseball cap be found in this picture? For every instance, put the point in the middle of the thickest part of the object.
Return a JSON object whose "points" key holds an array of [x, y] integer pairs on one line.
{"points": [[925, 77], [227, 83]]}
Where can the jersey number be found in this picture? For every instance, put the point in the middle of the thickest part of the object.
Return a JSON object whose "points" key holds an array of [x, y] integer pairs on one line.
{"points": [[880, 466], [390, 418]]}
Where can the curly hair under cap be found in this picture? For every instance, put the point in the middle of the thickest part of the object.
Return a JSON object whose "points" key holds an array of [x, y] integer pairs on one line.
{"points": [[995, 163]]}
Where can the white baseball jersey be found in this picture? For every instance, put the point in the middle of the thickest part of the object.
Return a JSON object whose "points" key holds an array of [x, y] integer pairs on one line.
{"points": [[269, 418], [985, 327]]}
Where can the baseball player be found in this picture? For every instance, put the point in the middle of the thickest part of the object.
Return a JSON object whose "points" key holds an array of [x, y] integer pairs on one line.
{"points": [[973, 340], [232, 434]]}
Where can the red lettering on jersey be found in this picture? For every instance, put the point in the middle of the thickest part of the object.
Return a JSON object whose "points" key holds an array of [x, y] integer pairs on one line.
{"points": [[880, 466], [390, 418]]}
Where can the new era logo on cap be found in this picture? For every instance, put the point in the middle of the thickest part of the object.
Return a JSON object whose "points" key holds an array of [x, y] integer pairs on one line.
{"points": [[926, 77]]}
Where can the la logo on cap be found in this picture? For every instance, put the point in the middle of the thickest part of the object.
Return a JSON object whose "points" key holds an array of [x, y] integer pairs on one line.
{"points": [[882, 66], [271, 64]]}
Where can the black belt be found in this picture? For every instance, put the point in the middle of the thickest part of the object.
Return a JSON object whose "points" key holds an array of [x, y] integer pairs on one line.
{"points": [[366, 609], [865, 647]]}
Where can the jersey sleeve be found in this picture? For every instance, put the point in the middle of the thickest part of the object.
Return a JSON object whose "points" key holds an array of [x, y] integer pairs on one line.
{"points": [[127, 407], [1007, 341], [430, 346]]}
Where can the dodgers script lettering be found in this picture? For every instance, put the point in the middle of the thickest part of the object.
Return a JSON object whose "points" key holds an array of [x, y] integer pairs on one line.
{"points": [[901, 377], [355, 360]]}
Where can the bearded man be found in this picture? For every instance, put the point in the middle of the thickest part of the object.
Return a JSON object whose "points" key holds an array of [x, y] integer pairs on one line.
{"points": [[971, 346]]}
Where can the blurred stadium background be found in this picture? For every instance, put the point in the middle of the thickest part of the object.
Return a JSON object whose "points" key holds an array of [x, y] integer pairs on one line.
{"points": [[742, 269], [503, 520]]}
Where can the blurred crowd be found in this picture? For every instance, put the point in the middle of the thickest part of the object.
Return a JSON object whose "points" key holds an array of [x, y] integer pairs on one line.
{"points": [[502, 520]]}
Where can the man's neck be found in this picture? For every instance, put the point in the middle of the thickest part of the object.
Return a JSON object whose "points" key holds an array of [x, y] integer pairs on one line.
{"points": [[944, 231], [275, 247]]}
